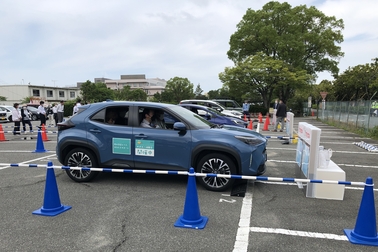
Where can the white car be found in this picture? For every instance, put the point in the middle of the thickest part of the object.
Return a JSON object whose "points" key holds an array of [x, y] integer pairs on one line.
{"points": [[8, 110], [214, 105]]}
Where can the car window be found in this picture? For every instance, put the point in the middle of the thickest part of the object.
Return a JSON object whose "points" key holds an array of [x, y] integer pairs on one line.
{"points": [[150, 117], [115, 115], [191, 117]]}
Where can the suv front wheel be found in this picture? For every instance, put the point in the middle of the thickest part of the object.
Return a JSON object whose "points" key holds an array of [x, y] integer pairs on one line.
{"points": [[218, 164], [80, 157]]}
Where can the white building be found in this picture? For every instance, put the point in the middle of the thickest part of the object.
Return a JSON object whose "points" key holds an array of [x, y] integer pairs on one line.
{"points": [[150, 86], [17, 93]]}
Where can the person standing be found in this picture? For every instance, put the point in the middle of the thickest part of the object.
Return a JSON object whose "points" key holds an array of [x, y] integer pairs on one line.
{"points": [[246, 106], [42, 113], [16, 118], [275, 106], [281, 115], [60, 109], [26, 118], [76, 107], [55, 113]]}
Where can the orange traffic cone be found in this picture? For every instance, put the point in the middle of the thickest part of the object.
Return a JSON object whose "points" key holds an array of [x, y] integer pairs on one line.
{"points": [[312, 113], [44, 135], [2, 136], [266, 124], [250, 125], [245, 117], [260, 118]]}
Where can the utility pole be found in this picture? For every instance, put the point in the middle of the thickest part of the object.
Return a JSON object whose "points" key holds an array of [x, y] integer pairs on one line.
{"points": [[54, 82]]}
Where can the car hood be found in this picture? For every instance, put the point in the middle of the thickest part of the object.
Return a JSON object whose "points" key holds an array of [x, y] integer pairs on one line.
{"points": [[243, 131]]}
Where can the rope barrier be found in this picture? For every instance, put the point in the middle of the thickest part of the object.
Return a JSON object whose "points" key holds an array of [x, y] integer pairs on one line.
{"points": [[21, 126], [28, 131], [259, 178]]}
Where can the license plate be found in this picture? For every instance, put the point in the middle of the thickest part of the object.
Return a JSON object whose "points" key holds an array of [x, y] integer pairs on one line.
{"points": [[2, 118]]}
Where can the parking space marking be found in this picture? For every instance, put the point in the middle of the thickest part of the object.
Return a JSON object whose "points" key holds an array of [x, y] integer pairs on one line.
{"points": [[294, 184], [242, 235], [20, 151], [299, 233], [37, 159]]}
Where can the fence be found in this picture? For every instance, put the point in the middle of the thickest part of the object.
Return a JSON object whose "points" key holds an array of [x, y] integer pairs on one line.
{"points": [[355, 114]]}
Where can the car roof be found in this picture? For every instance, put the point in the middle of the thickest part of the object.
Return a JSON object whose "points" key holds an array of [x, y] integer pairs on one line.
{"points": [[130, 103]]}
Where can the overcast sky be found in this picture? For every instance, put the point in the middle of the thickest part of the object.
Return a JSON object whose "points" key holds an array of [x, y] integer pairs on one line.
{"points": [[61, 43]]}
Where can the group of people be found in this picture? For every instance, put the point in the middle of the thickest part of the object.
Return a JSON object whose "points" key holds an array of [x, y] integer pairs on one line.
{"points": [[23, 115], [20, 116]]}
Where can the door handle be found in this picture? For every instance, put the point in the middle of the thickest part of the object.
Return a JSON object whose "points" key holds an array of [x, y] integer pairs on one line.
{"points": [[95, 130], [141, 136]]}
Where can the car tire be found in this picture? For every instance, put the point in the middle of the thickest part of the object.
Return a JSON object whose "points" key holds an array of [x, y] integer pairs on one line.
{"points": [[219, 164], [34, 117], [81, 157]]}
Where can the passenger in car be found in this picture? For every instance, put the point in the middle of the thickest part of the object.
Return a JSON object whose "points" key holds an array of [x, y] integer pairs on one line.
{"points": [[147, 118], [158, 120], [111, 117]]}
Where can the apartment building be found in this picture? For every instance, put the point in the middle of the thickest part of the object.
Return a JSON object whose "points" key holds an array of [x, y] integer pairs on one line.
{"points": [[49, 94]]}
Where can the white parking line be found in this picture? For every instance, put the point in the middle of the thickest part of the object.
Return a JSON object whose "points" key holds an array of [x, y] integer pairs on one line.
{"points": [[349, 165], [1, 168], [242, 235], [299, 233], [295, 184]]}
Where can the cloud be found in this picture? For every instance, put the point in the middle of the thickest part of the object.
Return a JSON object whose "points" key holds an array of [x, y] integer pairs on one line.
{"points": [[72, 41]]}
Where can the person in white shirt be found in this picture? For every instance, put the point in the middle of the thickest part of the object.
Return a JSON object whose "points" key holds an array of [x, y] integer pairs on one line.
{"points": [[42, 113], [16, 118], [76, 107], [60, 109], [147, 121]]}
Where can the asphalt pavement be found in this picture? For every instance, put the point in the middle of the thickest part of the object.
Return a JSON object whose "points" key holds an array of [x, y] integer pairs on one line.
{"points": [[137, 212]]}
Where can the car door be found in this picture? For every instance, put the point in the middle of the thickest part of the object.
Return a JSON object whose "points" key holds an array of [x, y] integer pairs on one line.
{"points": [[113, 138], [162, 149]]}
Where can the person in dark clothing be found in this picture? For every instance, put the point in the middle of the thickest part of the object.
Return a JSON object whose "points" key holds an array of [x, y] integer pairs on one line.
{"points": [[281, 115], [26, 119]]}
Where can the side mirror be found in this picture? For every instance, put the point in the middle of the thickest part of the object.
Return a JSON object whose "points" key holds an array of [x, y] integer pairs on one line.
{"points": [[179, 126]]}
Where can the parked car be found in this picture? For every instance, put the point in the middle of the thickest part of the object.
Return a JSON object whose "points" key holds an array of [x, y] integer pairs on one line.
{"points": [[8, 110], [33, 113], [214, 116], [86, 139], [229, 104], [214, 105], [3, 115]]}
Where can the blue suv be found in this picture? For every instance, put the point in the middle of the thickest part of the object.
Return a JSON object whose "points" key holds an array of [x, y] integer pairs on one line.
{"points": [[122, 135]]}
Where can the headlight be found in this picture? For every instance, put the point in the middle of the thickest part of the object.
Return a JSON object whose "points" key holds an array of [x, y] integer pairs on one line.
{"points": [[250, 140]]}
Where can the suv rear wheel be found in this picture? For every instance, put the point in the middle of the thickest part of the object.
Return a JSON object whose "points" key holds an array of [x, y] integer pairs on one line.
{"points": [[218, 164], [80, 157]]}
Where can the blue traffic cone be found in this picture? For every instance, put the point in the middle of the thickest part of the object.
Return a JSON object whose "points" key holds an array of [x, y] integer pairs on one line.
{"points": [[40, 147], [191, 217], [51, 202], [365, 231]]}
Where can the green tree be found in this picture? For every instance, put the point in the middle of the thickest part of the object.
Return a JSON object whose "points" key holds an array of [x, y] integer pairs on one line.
{"points": [[2, 98], [95, 92], [303, 37], [358, 82], [179, 89], [138, 95], [263, 75]]}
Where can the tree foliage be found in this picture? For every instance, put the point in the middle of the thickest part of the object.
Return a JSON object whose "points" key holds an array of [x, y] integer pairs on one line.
{"points": [[126, 94], [302, 37], [95, 92], [263, 75], [358, 82], [2, 98], [179, 89]]}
